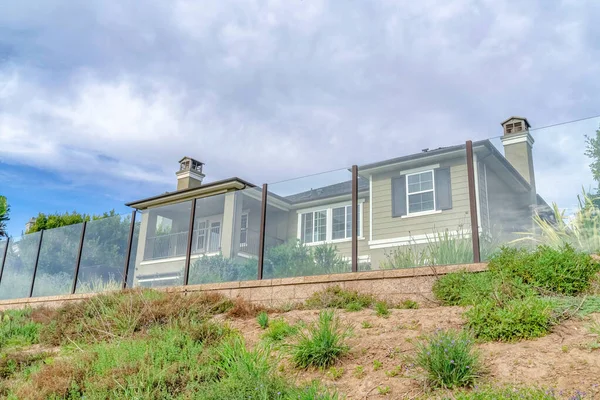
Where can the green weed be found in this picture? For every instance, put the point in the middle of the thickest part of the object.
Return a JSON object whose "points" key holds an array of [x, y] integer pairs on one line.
{"points": [[359, 372], [377, 365], [366, 325], [505, 393], [384, 390], [279, 329], [263, 319], [381, 309], [336, 373]]}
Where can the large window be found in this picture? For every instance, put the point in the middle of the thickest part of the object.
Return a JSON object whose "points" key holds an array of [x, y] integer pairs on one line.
{"points": [[420, 192], [329, 224]]}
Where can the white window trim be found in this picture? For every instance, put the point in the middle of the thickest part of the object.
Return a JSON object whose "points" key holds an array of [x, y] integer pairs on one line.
{"points": [[420, 213], [329, 222]]}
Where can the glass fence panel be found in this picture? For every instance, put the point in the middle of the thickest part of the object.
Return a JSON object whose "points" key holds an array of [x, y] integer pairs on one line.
{"points": [[17, 276], [134, 248], [2, 249], [308, 226], [545, 191], [416, 211], [103, 254], [162, 246], [58, 258], [225, 241]]}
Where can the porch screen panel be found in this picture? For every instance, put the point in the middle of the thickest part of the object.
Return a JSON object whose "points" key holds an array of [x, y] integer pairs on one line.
{"points": [[58, 258], [307, 226], [416, 211], [551, 196], [103, 254], [161, 246], [19, 265], [226, 237]]}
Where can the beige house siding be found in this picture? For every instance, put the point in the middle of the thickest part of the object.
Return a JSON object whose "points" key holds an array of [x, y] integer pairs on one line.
{"points": [[387, 227]]}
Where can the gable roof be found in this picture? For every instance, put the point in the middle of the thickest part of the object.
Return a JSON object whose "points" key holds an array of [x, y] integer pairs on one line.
{"points": [[515, 117]]}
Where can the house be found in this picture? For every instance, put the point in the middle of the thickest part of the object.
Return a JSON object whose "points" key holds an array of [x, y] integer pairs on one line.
{"points": [[402, 202]]}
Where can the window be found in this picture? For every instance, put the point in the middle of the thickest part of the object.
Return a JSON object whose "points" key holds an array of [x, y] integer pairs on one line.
{"points": [[244, 230], [420, 192], [215, 237], [201, 236], [342, 222], [314, 226], [325, 225]]}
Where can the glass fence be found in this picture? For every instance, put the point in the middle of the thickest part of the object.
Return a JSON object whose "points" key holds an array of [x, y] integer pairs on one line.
{"points": [[416, 211], [308, 226], [541, 188], [527, 188]]}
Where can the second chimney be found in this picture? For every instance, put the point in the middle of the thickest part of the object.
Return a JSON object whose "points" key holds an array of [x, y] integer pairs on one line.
{"points": [[190, 173], [518, 145]]}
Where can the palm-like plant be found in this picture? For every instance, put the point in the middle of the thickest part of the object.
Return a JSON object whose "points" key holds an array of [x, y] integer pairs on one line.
{"points": [[4, 211], [582, 231]]}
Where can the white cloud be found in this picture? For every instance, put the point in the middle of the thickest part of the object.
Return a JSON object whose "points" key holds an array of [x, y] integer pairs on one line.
{"points": [[266, 90]]}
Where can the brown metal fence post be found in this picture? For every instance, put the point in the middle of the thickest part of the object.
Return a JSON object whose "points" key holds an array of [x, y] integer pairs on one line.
{"points": [[79, 253], [188, 253], [473, 203], [261, 236], [129, 244], [37, 260], [354, 218], [4, 258]]}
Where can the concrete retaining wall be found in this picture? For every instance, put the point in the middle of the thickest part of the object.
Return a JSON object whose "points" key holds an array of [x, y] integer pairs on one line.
{"points": [[393, 285]]}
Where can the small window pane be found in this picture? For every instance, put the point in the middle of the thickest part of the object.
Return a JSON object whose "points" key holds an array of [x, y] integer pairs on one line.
{"points": [[339, 223], [320, 226], [307, 227], [420, 182], [420, 202]]}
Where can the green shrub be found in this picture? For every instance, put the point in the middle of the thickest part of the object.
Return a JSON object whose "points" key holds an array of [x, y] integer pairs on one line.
{"points": [[381, 309], [517, 319], [296, 259], [468, 288], [449, 359], [550, 270], [322, 344], [336, 297], [263, 319], [279, 329]]}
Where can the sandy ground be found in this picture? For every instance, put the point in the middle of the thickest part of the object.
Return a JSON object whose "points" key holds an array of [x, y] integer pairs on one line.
{"points": [[562, 360]]}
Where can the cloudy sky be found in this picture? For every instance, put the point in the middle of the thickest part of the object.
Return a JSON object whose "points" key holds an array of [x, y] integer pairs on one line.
{"points": [[99, 100]]}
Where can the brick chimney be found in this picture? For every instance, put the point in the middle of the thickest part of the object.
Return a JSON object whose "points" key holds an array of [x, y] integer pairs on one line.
{"points": [[190, 173], [518, 144]]}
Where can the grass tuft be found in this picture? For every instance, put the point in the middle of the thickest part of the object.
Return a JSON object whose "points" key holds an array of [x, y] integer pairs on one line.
{"points": [[382, 310], [449, 359], [263, 319], [279, 329], [322, 344]]}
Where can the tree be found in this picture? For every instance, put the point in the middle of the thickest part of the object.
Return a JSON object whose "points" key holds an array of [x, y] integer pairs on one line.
{"points": [[4, 212], [592, 150]]}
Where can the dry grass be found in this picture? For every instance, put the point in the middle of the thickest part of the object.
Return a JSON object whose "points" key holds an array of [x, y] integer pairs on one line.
{"points": [[244, 309], [109, 316], [55, 380]]}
